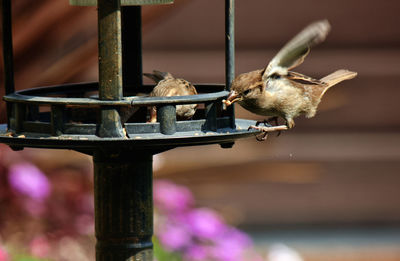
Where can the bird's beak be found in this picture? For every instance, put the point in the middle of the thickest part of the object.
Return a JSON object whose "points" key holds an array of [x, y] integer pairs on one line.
{"points": [[232, 98]]}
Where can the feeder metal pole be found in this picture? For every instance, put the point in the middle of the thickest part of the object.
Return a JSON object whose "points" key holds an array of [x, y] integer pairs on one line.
{"points": [[110, 65], [8, 47], [132, 49], [8, 58], [122, 176], [123, 205], [230, 52], [132, 72]]}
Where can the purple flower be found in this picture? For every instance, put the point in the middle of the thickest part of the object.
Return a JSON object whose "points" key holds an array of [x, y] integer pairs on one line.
{"points": [[171, 197], [205, 223], [174, 237], [198, 234], [196, 253], [237, 238], [231, 245], [28, 180]]}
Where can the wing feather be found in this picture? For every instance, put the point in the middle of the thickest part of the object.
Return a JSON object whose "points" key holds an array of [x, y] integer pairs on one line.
{"points": [[294, 52], [301, 78]]}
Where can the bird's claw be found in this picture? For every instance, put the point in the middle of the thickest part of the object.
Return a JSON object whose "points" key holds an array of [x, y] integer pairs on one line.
{"points": [[266, 130], [259, 137], [266, 122], [262, 137]]}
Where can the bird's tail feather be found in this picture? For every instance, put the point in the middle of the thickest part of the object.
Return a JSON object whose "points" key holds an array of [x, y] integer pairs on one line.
{"points": [[336, 77], [158, 76]]}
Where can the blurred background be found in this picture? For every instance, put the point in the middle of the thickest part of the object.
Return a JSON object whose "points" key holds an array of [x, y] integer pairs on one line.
{"points": [[329, 188]]}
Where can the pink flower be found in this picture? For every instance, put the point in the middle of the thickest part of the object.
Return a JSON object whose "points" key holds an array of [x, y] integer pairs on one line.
{"points": [[28, 180], [174, 237], [171, 197], [39, 247], [205, 223], [34, 207], [3, 255], [84, 224]]}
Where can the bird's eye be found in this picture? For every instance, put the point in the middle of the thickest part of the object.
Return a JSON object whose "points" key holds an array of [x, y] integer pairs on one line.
{"points": [[246, 92], [275, 76]]}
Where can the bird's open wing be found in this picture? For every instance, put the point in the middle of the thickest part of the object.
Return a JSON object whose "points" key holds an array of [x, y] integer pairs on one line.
{"points": [[294, 52], [304, 79]]}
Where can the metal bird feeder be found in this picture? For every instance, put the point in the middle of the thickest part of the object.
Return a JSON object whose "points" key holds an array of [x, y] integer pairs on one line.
{"points": [[86, 117]]}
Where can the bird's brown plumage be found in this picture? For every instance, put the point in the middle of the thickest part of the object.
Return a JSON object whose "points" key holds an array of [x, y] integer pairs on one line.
{"points": [[167, 85], [277, 91]]}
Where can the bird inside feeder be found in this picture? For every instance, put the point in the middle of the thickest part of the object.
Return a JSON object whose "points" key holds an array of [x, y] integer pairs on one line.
{"points": [[168, 85]]}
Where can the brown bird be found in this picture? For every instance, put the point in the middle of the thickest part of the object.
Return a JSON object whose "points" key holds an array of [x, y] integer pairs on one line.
{"points": [[167, 85], [278, 92]]}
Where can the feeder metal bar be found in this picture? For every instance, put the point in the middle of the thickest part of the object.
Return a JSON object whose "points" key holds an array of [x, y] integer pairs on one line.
{"points": [[123, 2], [8, 47], [132, 79], [230, 51], [126, 101]]}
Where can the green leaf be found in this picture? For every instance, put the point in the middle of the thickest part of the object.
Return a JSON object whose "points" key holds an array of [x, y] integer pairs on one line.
{"points": [[27, 258], [163, 255]]}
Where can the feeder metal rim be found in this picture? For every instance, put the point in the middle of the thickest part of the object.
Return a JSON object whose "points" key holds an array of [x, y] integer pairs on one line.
{"points": [[123, 2], [19, 97], [198, 98], [68, 88]]}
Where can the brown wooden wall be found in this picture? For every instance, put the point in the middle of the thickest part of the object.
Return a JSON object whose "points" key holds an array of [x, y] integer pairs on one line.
{"points": [[340, 167]]}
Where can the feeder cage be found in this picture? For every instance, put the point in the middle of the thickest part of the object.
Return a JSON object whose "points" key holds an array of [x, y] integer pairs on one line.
{"points": [[86, 117]]}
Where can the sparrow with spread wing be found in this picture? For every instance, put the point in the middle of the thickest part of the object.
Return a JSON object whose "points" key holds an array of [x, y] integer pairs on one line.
{"points": [[279, 92]]}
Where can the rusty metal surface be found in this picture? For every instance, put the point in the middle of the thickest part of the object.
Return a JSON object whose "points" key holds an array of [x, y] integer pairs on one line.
{"points": [[110, 66], [110, 50]]}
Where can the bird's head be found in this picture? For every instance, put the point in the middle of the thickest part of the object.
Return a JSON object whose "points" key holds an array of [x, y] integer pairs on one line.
{"points": [[247, 86]]}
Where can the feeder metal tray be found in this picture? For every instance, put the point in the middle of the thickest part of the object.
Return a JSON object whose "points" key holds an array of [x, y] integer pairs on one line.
{"points": [[56, 130]]}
